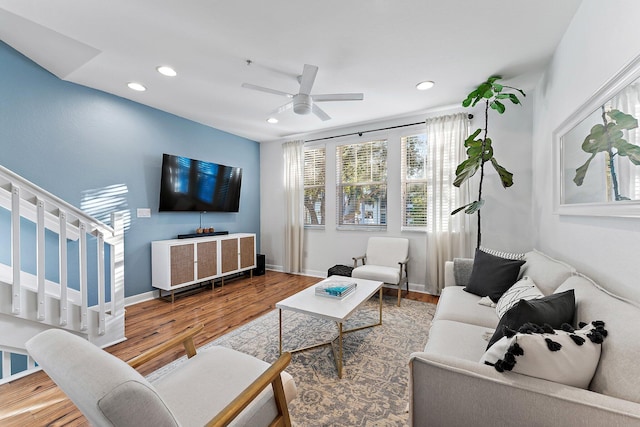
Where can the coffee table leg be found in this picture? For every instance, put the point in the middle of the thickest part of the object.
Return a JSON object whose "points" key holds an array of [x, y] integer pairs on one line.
{"points": [[280, 329], [380, 299], [339, 350]]}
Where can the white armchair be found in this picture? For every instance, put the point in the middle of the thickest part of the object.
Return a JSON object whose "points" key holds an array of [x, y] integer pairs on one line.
{"points": [[385, 260], [216, 387]]}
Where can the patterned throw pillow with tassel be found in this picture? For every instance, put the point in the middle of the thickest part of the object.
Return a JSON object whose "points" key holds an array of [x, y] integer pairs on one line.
{"points": [[567, 356]]}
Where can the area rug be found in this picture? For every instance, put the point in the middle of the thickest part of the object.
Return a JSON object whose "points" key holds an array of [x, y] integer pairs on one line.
{"points": [[373, 390]]}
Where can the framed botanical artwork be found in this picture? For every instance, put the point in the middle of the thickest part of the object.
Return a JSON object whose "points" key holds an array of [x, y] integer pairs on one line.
{"points": [[597, 151]]}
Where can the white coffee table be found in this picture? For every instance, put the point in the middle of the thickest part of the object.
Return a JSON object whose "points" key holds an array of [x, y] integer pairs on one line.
{"points": [[337, 310]]}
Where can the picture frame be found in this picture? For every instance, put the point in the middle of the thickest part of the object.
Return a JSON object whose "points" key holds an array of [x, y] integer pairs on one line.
{"points": [[597, 151]]}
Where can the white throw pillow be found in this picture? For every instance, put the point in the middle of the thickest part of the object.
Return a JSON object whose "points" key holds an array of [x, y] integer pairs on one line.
{"points": [[487, 301], [522, 289], [564, 356]]}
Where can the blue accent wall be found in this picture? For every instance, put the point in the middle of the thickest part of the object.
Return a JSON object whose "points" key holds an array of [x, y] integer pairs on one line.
{"points": [[84, 145]]}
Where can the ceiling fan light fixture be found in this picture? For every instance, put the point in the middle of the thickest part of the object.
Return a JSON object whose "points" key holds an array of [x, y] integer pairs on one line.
{"points": [[302, 104], [165, 70], [138, 87], [426, 85], [272, 120]]}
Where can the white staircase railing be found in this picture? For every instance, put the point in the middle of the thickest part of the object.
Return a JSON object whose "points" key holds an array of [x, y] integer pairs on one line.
{"points": [[92, 306]]}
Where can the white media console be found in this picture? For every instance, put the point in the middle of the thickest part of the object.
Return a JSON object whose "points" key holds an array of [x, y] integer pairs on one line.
{"points": [[178, 263]]}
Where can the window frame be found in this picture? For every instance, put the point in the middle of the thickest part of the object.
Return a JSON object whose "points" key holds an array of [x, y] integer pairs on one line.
{"points": [[379, 212], [406, 181]]}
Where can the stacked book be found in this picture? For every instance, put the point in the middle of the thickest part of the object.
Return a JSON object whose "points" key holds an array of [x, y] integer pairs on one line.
{"points": [[335, 288]]}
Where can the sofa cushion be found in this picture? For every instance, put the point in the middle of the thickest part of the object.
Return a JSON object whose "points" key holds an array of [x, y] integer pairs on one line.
{"points": [[564, 356], [522, 289], [492, 275], [456, 304], [456, 339], [211, 379], [546, 272], [553, 310], [618, 371]]}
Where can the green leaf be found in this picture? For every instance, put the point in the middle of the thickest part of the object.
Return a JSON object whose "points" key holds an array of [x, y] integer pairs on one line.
{"points": [[630, 151], [469, 208], [474, 207], [514, 99], [503, 95], [488, 150], [472, 137], [467, 101], [623, 121], [497, 87], [466, 170], [506, 177], [455, 211], [494, 78], [582, 171], [488, 94], [498, 106]]}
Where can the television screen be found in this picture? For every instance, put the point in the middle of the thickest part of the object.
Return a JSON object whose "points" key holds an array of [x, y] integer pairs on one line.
{"points": [[194, 185]]}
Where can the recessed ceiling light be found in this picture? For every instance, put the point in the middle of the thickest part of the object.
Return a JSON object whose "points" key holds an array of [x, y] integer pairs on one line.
{"points": [[166, 71], [272, 120], [425, 85], [136, 86]]}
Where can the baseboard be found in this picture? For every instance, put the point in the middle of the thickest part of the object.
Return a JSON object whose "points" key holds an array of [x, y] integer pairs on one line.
{"points": [[274, 267], [135, 299]]}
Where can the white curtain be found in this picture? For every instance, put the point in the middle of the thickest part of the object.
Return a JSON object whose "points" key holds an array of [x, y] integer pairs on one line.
{"points": [[293, 152], [447, 235]]}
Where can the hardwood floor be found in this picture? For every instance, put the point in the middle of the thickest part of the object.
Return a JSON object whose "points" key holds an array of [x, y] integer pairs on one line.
{"points": [[36, 401]]}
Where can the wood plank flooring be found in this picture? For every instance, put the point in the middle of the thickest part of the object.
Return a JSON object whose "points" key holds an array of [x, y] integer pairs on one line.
{"points": [[36, 401]]}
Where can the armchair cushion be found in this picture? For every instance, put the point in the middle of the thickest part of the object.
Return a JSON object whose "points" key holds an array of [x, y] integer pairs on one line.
{"points": [[211, 379], [377, 272]]}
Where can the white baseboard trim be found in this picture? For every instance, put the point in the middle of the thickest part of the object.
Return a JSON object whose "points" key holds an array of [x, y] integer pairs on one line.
{"points": [[135, 299]]}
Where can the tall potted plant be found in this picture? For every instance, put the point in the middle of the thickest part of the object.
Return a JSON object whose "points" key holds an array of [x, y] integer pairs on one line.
{"points": [[480, 149]]}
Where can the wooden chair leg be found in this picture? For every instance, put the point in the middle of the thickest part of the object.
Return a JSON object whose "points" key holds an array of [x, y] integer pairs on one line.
{"points": [[399, 294]]}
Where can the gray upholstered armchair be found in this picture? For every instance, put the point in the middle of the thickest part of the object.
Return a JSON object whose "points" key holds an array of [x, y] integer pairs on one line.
{"points": [[385, 260], [217, 386]]}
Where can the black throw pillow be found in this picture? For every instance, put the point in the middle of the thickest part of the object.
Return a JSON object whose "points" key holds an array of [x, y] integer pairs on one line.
{"points": [[492, 275], [554, 310]]}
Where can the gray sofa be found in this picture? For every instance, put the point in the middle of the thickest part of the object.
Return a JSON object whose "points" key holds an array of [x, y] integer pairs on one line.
{"points": [[450, 387]]}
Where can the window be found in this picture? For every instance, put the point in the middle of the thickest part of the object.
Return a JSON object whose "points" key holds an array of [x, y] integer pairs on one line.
{"points": [[314, 173], [361, 177], [414, 181]]}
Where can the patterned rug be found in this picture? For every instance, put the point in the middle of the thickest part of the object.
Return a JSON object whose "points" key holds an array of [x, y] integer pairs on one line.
{"points": [[373, 389]]}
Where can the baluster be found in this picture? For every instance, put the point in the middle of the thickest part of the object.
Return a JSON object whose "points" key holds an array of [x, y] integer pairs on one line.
{"points": [[15, 249], [101, 284], [64, 314], [6, 364], [117, 258], [41, 308], [84, 292]]}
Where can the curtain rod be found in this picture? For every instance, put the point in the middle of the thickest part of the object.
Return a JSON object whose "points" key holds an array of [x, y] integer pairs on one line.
{"points": [[470, 116]]}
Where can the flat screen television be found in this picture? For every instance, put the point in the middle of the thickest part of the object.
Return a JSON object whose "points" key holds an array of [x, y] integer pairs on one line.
{"points": [[189, 185]]}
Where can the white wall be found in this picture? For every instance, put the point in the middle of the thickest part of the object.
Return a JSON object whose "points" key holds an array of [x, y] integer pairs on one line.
{"points": [[506, 215], [602, 38]]}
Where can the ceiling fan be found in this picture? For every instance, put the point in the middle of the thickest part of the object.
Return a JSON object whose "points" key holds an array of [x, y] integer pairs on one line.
{"points": [[303, 102]]}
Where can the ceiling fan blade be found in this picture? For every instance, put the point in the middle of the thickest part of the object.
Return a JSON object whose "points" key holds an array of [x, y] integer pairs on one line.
{"points": [[320, 113], [267, 90], [308, 77], [282, 108], [338, 97]]}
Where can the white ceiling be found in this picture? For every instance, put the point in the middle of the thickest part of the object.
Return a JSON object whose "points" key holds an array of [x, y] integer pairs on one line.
{"points": [[382, 48]]}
